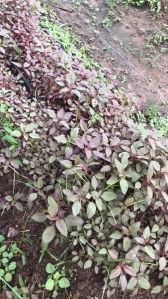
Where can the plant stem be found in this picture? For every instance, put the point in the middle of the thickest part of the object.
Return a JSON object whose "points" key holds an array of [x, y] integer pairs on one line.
{"points": [[12, 289]]}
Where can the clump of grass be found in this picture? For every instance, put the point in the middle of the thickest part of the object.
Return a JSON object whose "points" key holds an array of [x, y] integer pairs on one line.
{"points": [[8, 133], [153, 117], [160, 37], [155, 5], [156, 120]]}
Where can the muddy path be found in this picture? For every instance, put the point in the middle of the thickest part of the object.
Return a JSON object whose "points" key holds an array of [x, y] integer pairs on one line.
{"points": [[120, 39]]}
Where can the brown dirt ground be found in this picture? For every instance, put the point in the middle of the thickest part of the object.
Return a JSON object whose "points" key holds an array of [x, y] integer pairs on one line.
{"points": [[122, 47]]}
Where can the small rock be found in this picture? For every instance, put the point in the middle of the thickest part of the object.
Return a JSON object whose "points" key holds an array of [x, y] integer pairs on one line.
{"points": [[12, 232]]}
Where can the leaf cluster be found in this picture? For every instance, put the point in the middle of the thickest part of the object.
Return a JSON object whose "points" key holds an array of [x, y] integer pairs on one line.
{"points": [[56, 279], [7, 264]]}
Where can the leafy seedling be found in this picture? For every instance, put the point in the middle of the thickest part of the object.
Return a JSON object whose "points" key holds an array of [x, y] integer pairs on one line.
{"points": [[56, 279], [7, 263]]}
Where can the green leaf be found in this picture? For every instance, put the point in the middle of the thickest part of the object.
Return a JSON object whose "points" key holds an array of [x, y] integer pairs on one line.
{"points": [[165, 281], [2, 272], [19, 206], [103, 251], [124, 185], [16, 163], [66, 163], [30, 127], [2, 238], [2, 248], [134, 228], [5, 254], [91, 210], [34, 135], [3, 107], [165, 195], [143, 131], [94, 183], [156, 290], [38, 217], [116, 235], [72, 220], [71, 77], [52, 206], [155, 228], [76, 208], [64, 283], [144, 283], [49, 284], [146, 233], [16, 133], [10, 139], [126, 244], [84, 190], [51, 113], [49, 234], [99, 204], [105, 168], [74, 132], [32, 196], [39, 184], [132, 283], [50, 268], [8, 129], [52, 159], [61, 139], [162, 263], [57, 275], [10, 255], [109, 195], [12, 266], [12, 147], [87, 264], [149, 250], [124, 160], [156, 165], [8, 277], [115, 272], [62, 228], [119, 166], [112, 180]]}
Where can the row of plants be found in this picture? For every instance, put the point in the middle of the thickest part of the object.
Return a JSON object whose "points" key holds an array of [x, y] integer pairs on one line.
{"points": [[95, 177]]}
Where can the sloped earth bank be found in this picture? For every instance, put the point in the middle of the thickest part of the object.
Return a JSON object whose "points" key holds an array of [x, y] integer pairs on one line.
{"points": [[119, 41], [37, 144]]}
